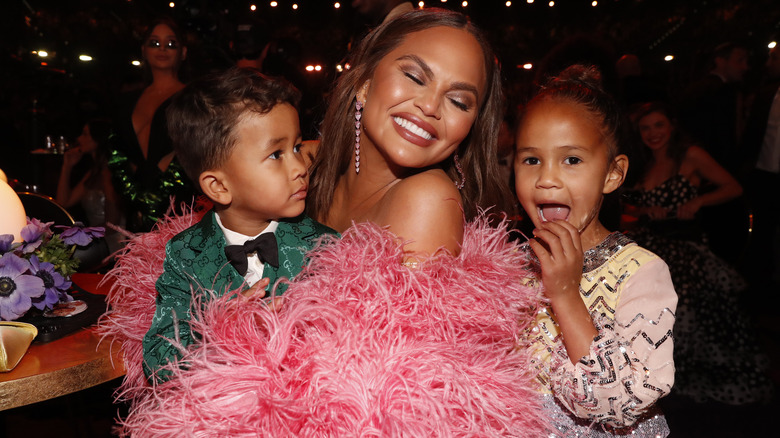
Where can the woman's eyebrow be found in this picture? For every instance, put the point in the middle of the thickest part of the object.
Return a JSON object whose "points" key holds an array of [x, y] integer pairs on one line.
{"points": [[419, 61]]}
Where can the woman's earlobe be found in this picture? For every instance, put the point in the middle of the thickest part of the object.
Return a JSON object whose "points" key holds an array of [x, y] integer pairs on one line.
{"points": [[362, 93]]}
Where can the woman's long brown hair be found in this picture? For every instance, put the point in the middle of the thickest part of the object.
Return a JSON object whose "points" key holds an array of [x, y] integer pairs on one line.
{"points": [[483, 188]]}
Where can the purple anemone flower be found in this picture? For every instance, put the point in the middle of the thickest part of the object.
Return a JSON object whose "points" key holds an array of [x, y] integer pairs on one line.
{"points": [[80, 235], [6, 242], [17, 288], [33, 234], [54, 284]]}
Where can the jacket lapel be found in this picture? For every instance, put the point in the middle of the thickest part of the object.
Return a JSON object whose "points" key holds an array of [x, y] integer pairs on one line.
{"points": [[293, 240], [215, 272]]}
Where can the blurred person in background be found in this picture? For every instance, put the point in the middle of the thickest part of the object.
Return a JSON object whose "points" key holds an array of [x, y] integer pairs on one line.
{"points": [[143, 161]]}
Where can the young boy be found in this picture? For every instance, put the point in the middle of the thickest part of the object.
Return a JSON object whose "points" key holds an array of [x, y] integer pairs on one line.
{"points": [[237, 136]]}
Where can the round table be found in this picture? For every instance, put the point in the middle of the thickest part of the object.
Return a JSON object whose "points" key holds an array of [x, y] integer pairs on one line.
{"points": [[75, 362]]}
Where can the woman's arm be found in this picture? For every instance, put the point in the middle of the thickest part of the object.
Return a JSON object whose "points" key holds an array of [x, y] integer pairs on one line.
{"points": [[702, 164], [113, 204], [67, 196]]}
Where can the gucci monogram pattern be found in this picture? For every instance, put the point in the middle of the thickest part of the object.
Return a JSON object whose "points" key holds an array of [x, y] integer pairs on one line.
{"points": [[196, 270]]}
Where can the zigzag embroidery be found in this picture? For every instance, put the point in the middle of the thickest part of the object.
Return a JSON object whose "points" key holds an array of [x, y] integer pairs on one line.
{"points": [[600, 301], [655, 321]]}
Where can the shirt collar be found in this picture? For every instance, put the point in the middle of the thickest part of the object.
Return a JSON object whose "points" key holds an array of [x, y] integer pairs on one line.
{"points": [[234, 238]]}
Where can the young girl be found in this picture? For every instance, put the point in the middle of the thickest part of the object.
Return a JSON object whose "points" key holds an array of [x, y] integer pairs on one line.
{"points": [[603, 345]]}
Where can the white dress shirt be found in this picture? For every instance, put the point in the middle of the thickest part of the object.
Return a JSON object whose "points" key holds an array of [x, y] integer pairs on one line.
{"points": [[255, 267]]}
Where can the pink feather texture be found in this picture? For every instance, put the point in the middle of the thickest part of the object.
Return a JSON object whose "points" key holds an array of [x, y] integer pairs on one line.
{"points": [[360, 346]]}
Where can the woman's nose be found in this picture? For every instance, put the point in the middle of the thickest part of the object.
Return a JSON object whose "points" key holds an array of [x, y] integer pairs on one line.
{"points": [[429, 103]]}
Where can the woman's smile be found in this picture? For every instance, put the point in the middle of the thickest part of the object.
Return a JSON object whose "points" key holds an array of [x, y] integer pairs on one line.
{"points": [[417, 132]]}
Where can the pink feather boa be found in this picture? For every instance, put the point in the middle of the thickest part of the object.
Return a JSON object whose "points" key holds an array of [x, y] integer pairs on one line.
{"points": [[362, 346]]}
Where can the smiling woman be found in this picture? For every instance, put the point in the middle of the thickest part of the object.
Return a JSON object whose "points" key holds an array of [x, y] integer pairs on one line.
{"points": [[409, 324], [424, 95]]}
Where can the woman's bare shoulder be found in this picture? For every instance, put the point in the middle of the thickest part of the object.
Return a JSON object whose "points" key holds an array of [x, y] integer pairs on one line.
{"points": [[426, 209], [696, 154], [429, 187]]}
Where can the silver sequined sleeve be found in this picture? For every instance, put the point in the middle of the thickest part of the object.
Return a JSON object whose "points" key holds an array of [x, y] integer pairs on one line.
{"points": [[630, 365]]}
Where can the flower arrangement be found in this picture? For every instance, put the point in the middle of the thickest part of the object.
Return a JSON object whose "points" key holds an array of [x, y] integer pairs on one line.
{"points": [[36, 271]]}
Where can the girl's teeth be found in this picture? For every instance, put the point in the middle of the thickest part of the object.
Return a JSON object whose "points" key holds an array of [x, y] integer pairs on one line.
{"points": [[414, 129]]}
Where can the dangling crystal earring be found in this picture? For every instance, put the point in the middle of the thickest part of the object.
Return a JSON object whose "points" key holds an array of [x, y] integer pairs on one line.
{"points": [[358, 114], [462, 182]]}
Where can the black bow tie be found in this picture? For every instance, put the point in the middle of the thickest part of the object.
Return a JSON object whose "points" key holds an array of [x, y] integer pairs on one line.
{"points": [[265, 247]]}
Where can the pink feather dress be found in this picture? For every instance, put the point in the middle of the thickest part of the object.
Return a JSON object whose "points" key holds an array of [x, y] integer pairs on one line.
{"points": [[361, 345]]}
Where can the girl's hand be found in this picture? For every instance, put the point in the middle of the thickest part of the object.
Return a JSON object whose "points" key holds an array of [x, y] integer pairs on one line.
{"points": [[688, 210], [559, 249], [257, 289]]}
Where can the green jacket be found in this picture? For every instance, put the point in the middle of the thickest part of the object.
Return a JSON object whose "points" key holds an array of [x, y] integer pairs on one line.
{"points": [[195, 261]]}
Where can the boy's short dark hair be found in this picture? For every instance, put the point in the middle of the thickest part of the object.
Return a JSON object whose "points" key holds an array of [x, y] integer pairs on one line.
{"points": [[203, 116]]}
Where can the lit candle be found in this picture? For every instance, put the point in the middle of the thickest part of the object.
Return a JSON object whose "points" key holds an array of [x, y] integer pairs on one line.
{"points": [[13, 218]]}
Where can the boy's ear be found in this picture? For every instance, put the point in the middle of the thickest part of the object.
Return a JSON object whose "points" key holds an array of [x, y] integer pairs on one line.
{"points": [[212, 183], [616, 174]]}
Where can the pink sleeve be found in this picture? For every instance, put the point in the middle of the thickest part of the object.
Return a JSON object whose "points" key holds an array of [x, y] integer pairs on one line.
{"points": [[630, 365]]}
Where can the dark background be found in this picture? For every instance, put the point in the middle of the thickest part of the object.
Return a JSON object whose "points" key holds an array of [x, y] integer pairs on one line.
{"points": [[56, 95]]}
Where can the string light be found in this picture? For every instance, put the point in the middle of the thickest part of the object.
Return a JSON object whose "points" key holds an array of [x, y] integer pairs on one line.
{"points": [[337, 5], [421, 4], [668, 58], [252, 8], [135, 62], [508, 4], [551, 4], [594, 3], [295, 6], [85, 58], [772, 45], [43, 53], [464, 4], [528, 66], [274, 4], [529, 1], [171, 5]]}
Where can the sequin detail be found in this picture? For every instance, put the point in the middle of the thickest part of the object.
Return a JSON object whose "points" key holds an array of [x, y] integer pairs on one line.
{"points": [[717, 355], [653, 424], [617, 363]]}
